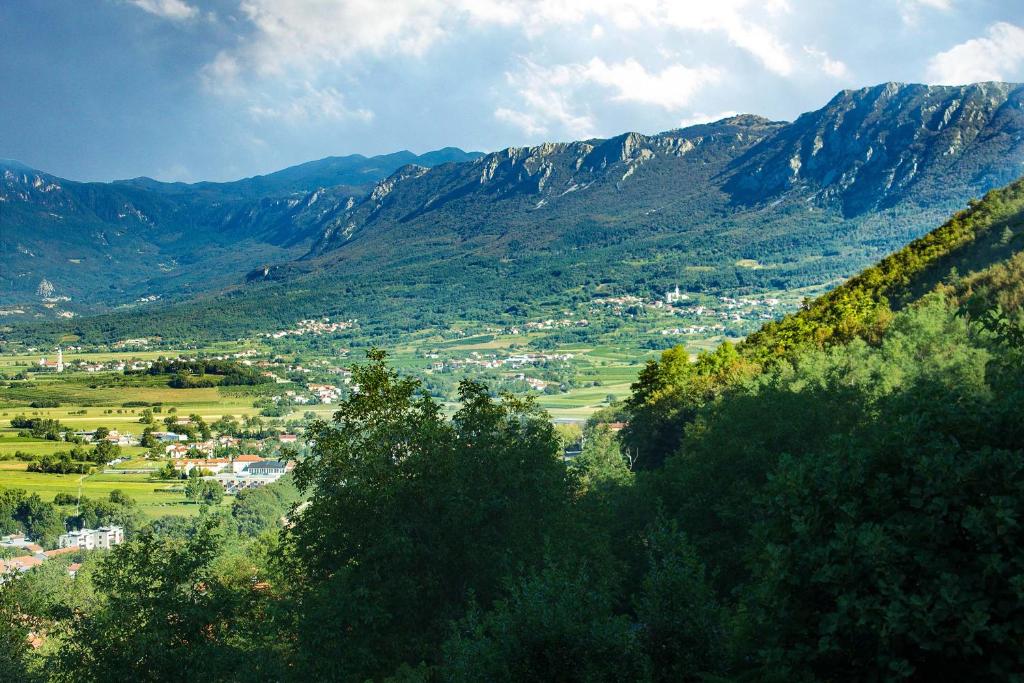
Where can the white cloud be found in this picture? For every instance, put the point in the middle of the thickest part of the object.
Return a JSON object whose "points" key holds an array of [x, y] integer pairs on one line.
{"points": [[831, 67], [997, 56], [311, 34], [175, 10], [670, 88], [525, 122], [555, 97], [699, 117], [910, 10], [313, 104], [545, 99]]}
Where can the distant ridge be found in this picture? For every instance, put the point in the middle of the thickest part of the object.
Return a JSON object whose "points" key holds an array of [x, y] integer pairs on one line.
{"points": [[735, 206]]}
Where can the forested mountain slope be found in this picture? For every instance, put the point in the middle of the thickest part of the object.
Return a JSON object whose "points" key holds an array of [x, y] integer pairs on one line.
{"points": [[737, 206], [103, 244]]}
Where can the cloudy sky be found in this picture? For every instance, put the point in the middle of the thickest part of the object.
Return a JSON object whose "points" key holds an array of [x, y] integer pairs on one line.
{"points": [[221, 89]]}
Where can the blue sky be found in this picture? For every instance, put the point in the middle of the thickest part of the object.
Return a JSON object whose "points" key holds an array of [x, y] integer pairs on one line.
{"points": [[221, 89]]}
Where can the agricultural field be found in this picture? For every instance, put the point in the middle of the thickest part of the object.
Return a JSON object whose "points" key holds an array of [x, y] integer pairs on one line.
{"points": [[586, 377]]}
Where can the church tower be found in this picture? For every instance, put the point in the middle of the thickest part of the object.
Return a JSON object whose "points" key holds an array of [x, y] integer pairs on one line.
{"points": [[60, 360]]}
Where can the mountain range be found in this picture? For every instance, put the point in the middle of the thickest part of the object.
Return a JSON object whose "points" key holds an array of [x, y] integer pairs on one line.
{"points": [[403, 242]]}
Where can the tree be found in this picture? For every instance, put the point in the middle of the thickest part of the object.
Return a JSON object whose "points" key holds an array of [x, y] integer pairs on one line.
{"points": [[15, 627], [10, 500], [169, 613], [682, 629], [667, 395], [195, 487], [416, 488], [104, 452], [600, 463], [41, 521], [201, 426], [554, 626], [212, 493]]}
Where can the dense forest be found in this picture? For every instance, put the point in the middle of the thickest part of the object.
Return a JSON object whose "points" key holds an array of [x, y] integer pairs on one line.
{"points": [[839, 497]]}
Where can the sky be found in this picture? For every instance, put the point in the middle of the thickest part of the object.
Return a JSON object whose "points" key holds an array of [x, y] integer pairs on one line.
{"points": [[221, 89]]}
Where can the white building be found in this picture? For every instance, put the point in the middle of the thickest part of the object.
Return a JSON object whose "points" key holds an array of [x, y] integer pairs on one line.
{"points": [[169, 437], [56, 366], [104, 538]]}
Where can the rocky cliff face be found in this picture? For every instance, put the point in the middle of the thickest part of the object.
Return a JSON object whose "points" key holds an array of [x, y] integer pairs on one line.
{"points": [[552, 178], [874, 147], [866, 150]]}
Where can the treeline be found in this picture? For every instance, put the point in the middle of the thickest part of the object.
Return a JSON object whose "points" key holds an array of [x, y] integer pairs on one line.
{"points": [[38, 427], [205, 373], [42, 522]]}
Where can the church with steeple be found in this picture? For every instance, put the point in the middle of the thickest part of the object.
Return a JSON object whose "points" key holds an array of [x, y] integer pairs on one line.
{"points": [[53, 365]]}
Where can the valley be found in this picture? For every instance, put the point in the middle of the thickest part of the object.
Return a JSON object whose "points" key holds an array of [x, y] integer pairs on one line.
{"points": [[707, 358]]}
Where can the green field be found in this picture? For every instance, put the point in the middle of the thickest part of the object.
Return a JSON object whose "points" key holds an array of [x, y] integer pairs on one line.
{"points": [[140, 487]]}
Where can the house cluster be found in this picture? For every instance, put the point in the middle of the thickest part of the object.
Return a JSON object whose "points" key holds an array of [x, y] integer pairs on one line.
{"points": [[238, 473], [113, 436], [314, 327], [112, 366], [515, 361], [533, 382], [103, 538], [693, 329], [253, 475], [325, 393], [139, 341]]}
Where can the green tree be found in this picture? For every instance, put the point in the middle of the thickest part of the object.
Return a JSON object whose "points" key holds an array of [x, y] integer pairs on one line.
{"points": [[667, 395], [416, 488], [554, 626], [682, 624], [104, 452], [600, 463], [41, 521], [169, 612]]}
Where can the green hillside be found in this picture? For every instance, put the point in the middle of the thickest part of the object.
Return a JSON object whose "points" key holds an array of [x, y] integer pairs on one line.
{"points": [[972, 253]]}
